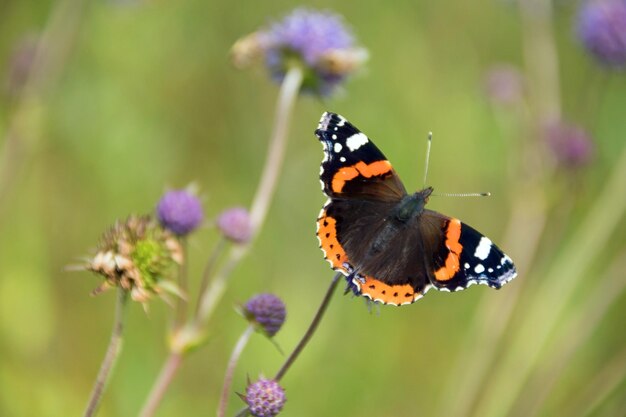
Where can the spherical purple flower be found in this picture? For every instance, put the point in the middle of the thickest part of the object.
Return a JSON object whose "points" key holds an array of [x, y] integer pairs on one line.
{"points": [[602, 29], [235, 224], [265, 398], [319, 42], [267, 311], [571, 145], [179, 211]]}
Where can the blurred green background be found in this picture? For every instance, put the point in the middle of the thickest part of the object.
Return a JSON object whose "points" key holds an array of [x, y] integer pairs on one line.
{"points": [[140, 96]]}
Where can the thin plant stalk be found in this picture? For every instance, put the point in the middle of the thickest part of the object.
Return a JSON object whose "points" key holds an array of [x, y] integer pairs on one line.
{"points": [[599, 388], [565, 273], [209, 267], [288, 94], [230, 369], [307, 336], [52, 51], [180, 312], [579, 328], [110, 358], [311, 330], [269, 178], [170, 367], [528, 218]]}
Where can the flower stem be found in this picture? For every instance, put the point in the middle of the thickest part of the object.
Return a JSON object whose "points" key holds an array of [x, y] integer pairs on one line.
{"points": [[208, 300], [208, 269], [180, 311], [53, 49], [162, 383], [230, 370], [276, 152], [112, 353], [311, 330]]}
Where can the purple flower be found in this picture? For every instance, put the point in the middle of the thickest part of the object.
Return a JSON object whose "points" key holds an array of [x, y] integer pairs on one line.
{"points": [[265, 398], [504, 84], [571, 145], [179, 211], [318, 42], [234, 223], [267, 311], [602, 29]]}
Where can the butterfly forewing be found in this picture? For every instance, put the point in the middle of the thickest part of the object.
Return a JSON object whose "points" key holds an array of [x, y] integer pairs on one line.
{"points": [[353, 167]]}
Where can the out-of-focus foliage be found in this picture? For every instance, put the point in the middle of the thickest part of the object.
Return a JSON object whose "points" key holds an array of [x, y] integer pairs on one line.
{"points": [[133, 97]]}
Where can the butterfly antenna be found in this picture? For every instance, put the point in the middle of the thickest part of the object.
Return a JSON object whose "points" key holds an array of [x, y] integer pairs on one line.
{"points": [[461, 195], [430, 140]]}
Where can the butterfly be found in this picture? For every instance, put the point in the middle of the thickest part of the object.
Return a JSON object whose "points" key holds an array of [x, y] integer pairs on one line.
{"points": [[388, 245]]}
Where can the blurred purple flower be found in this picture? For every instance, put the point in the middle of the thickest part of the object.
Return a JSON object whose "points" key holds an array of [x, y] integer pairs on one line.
{"points": [[20, 64], [318, 41], [602, 29], [504, 85], [179, 211], [234, 223], [267, 311], [265, 398], [571, 145]]}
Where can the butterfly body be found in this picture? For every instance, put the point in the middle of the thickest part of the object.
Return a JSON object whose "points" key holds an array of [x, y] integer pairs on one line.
{"points": [[390, 247]]}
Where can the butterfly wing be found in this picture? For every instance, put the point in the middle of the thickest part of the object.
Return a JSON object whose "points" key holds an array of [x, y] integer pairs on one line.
{"points": [[363, 188], [463, 256], [353, 167]]}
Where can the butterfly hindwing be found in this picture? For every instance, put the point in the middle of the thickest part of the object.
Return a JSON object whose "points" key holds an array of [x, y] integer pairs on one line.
{"points": [[467, 257]]}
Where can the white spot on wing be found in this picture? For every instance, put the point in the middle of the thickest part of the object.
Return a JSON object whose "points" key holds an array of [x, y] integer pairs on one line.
{"points": [[342, 159], [479, 269], [357, 140], [483, 248], [337, 148]]}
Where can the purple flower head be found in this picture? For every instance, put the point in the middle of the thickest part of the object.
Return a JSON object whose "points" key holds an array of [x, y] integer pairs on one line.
{"points": [[602, 29], [570, 144], [503, 84], [267, 311], [319, 42], [179, 211], [265, 398], [234, 223]]}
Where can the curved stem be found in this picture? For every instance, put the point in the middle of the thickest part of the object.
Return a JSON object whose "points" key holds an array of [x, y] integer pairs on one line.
{"points": [[162, 383], [208, 269], [52, 51], [208, 300], [180, 311], [273, 164], [112, 353], [230, 369], [305, 339], [311, 330], [276, 152]]}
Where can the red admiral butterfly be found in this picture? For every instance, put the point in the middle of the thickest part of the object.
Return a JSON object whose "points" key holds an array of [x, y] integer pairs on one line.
{"points": [[392, 249]]}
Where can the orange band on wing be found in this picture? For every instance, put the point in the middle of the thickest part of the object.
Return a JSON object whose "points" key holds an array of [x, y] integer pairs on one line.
{"points": [[387, 294], [360, 168], [327, 235], [451, 266]]}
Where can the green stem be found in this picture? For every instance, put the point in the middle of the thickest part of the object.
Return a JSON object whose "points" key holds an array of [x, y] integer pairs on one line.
{"points": [[110, 358], [269, 178], [311, 330], [565, 274], [579, 327], [289, 91], [230, 369], [170, 367], [307, 336]]}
